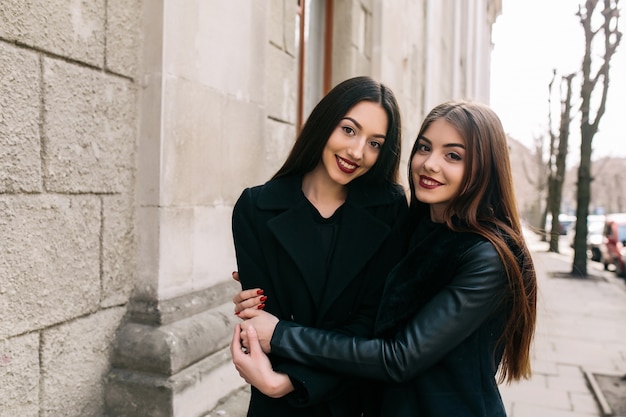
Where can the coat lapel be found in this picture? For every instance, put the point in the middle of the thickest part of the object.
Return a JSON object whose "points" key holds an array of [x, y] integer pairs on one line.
{"points": [[359, 237], [301, 242]]}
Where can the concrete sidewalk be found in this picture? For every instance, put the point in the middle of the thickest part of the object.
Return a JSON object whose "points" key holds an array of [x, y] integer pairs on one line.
{"points": [[581, 327]]}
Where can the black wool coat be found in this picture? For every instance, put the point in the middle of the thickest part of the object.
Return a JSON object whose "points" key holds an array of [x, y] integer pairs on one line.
{"points": [[279, 250]]}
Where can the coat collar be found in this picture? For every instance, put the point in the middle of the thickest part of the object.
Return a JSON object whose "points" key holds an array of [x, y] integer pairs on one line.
{"points": [[286, 192], [360, 235]]}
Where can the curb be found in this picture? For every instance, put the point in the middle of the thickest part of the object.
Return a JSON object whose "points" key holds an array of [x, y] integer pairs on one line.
{"points": [[605, 408]]}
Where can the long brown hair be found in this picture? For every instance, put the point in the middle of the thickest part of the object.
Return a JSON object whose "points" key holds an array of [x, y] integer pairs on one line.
{"points": [[486, 205]]}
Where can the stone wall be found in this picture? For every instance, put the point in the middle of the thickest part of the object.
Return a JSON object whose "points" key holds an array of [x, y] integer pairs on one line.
{"points": [[68, 125]]}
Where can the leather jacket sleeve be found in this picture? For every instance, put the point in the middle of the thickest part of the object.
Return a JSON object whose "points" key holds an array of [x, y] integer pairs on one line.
{"points": [[441, 325]]}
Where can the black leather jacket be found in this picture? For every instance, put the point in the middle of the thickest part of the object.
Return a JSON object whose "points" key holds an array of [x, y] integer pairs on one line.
{"points": [[446, 356]]}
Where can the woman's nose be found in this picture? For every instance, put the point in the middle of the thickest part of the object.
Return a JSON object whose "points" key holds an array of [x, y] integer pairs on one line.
{"points": [[355, 151], [431, 164]]}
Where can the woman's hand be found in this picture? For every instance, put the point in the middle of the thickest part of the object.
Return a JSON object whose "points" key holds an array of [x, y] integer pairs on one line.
{"points": [[263, 323], [255, 367], [253, 298]]}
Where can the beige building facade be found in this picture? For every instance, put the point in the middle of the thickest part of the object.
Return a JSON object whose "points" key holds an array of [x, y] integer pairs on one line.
{"points": [[128, 129]]}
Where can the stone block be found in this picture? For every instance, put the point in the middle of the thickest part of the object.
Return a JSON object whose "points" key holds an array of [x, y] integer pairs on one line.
{"points": [[182, 368], [242, 158], [118, 249], [75, 362], [278, 142], [211, 145], [148, 253], [281, 79], [196, 249], [148, 175], [289, 27], [89, 129], [19, 373], [123, 36], [74, 29], [362, 31], [169, 349], [192, 392], [51, 260], [226, 57], [213, 248], [167, 311], [176, 228], [343, 42], [213, 379], [129, 394], [276, 23], [235, 404], [20, 95], [191, 142]]}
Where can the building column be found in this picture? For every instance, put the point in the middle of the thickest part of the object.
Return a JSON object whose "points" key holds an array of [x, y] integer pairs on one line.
{"points": [[171, 355]]}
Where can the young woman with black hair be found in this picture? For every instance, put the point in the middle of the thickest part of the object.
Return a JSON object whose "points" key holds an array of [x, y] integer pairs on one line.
{"points": [[321, 236]]}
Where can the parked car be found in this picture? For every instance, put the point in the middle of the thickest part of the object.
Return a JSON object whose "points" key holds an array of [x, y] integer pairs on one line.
{"points": [[613, 247], [565, 223], [595, 229]]}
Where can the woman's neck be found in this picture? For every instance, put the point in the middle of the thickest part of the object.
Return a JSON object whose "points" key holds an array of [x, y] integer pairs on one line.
{"points": [[436, 213], [325, 194]]}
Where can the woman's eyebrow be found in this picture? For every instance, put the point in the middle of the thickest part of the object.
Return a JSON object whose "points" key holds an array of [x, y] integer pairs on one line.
{"points": [[353, 121], [454, 145], [358, 125], [447, 145]]}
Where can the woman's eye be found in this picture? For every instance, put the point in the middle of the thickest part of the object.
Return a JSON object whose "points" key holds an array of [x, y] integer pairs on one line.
{"points": [[454, 156], [348, 130], [423, 147], [376, 145]]}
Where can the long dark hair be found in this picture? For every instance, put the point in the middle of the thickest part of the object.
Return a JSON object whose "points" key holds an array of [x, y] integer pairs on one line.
{"points": [[307, 150], [485, 204]]}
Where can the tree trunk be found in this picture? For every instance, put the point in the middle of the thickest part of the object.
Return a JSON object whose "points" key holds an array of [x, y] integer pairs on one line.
{"points": [[588, 127], [582, 204], [561, 156]]}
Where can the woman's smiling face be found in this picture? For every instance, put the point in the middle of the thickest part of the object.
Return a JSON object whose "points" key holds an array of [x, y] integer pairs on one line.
{"points": [[354, 146], [438, 166]]}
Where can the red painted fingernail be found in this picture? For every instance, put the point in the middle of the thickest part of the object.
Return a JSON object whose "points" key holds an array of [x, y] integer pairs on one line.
{"points": [[259, 292], [263, 298], [260, 306], [237, 313]]}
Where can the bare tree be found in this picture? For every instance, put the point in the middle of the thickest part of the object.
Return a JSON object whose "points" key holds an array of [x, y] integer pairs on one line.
{"points": [[535, 174], [556, 180], [550, 171], [540, 182], [609, 39]]}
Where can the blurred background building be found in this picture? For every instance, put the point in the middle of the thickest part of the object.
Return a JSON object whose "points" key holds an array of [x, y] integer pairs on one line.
{"points": [[128, 129]]}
